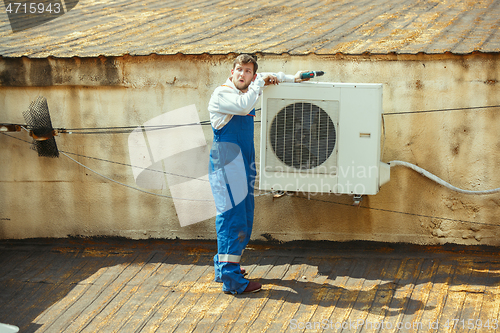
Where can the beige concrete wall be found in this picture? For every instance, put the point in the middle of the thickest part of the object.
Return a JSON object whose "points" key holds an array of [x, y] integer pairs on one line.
{"points": [[44, 197]]}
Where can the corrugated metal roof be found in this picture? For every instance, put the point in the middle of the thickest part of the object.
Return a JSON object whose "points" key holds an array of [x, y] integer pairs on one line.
{"points": [[297, 27]]}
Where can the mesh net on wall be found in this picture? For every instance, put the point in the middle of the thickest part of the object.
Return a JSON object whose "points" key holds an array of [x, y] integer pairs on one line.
{"points": [[37, 118]]}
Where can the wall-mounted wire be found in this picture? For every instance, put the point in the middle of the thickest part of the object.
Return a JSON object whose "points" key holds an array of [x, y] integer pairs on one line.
{"points": [[441, 110], [440, 181], [126, 129], [132, 187]]}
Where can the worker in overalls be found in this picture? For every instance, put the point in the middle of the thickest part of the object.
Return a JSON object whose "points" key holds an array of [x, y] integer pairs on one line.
{"points": [[232, 167]]}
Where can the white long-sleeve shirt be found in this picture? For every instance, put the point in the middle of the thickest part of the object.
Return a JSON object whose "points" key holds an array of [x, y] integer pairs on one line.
{"points": [[227, 101]]}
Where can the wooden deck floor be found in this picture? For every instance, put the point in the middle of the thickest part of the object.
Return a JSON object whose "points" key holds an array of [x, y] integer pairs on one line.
{"points": [[167, 286]]}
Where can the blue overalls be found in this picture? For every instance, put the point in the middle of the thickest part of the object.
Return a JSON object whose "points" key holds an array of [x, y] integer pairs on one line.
{"points": [[232, 175]]}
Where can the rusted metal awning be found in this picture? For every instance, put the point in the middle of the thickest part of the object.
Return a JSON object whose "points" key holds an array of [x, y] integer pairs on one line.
{"points": [[351, 27]]}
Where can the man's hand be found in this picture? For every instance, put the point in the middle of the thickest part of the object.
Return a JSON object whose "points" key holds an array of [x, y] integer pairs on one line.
{"points": [[270, 79], [298, 79]]}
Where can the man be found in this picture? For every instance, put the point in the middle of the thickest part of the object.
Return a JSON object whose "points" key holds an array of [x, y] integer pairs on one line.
{"points": [[232, 167]]}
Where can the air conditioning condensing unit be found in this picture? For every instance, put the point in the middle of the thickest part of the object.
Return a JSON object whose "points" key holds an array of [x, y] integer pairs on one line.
{"points": [[322, 138]]}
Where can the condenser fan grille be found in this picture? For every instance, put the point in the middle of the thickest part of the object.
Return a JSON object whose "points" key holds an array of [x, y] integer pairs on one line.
{"points": [[302, 134]]}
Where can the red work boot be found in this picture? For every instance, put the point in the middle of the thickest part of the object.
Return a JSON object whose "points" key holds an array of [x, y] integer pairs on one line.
{"points": [[252, 287]]}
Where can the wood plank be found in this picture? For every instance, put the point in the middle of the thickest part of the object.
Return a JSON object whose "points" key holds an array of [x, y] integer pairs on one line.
{"points": [[367, 293], [82, 288], [180, 280], [119, 293], [53, 285], [418, 298], [222, 301], [332, 289], [490, 306], [243, 307], [291, 291], [231, 305], [338, 281], [309, 279], [10, 288], [383, 296], [402, 294], [200, 308], [448, 321], [351, 291], [92, 288], [473, 298], [325, 269], [178, 315], [311, 300], [124, 307], [437, 295], [83, 275], [13, 262], [26, 288], [151, 294]]}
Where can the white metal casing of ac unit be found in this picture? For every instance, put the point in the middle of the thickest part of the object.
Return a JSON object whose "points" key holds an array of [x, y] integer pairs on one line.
{"points": [[299, 150]]}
